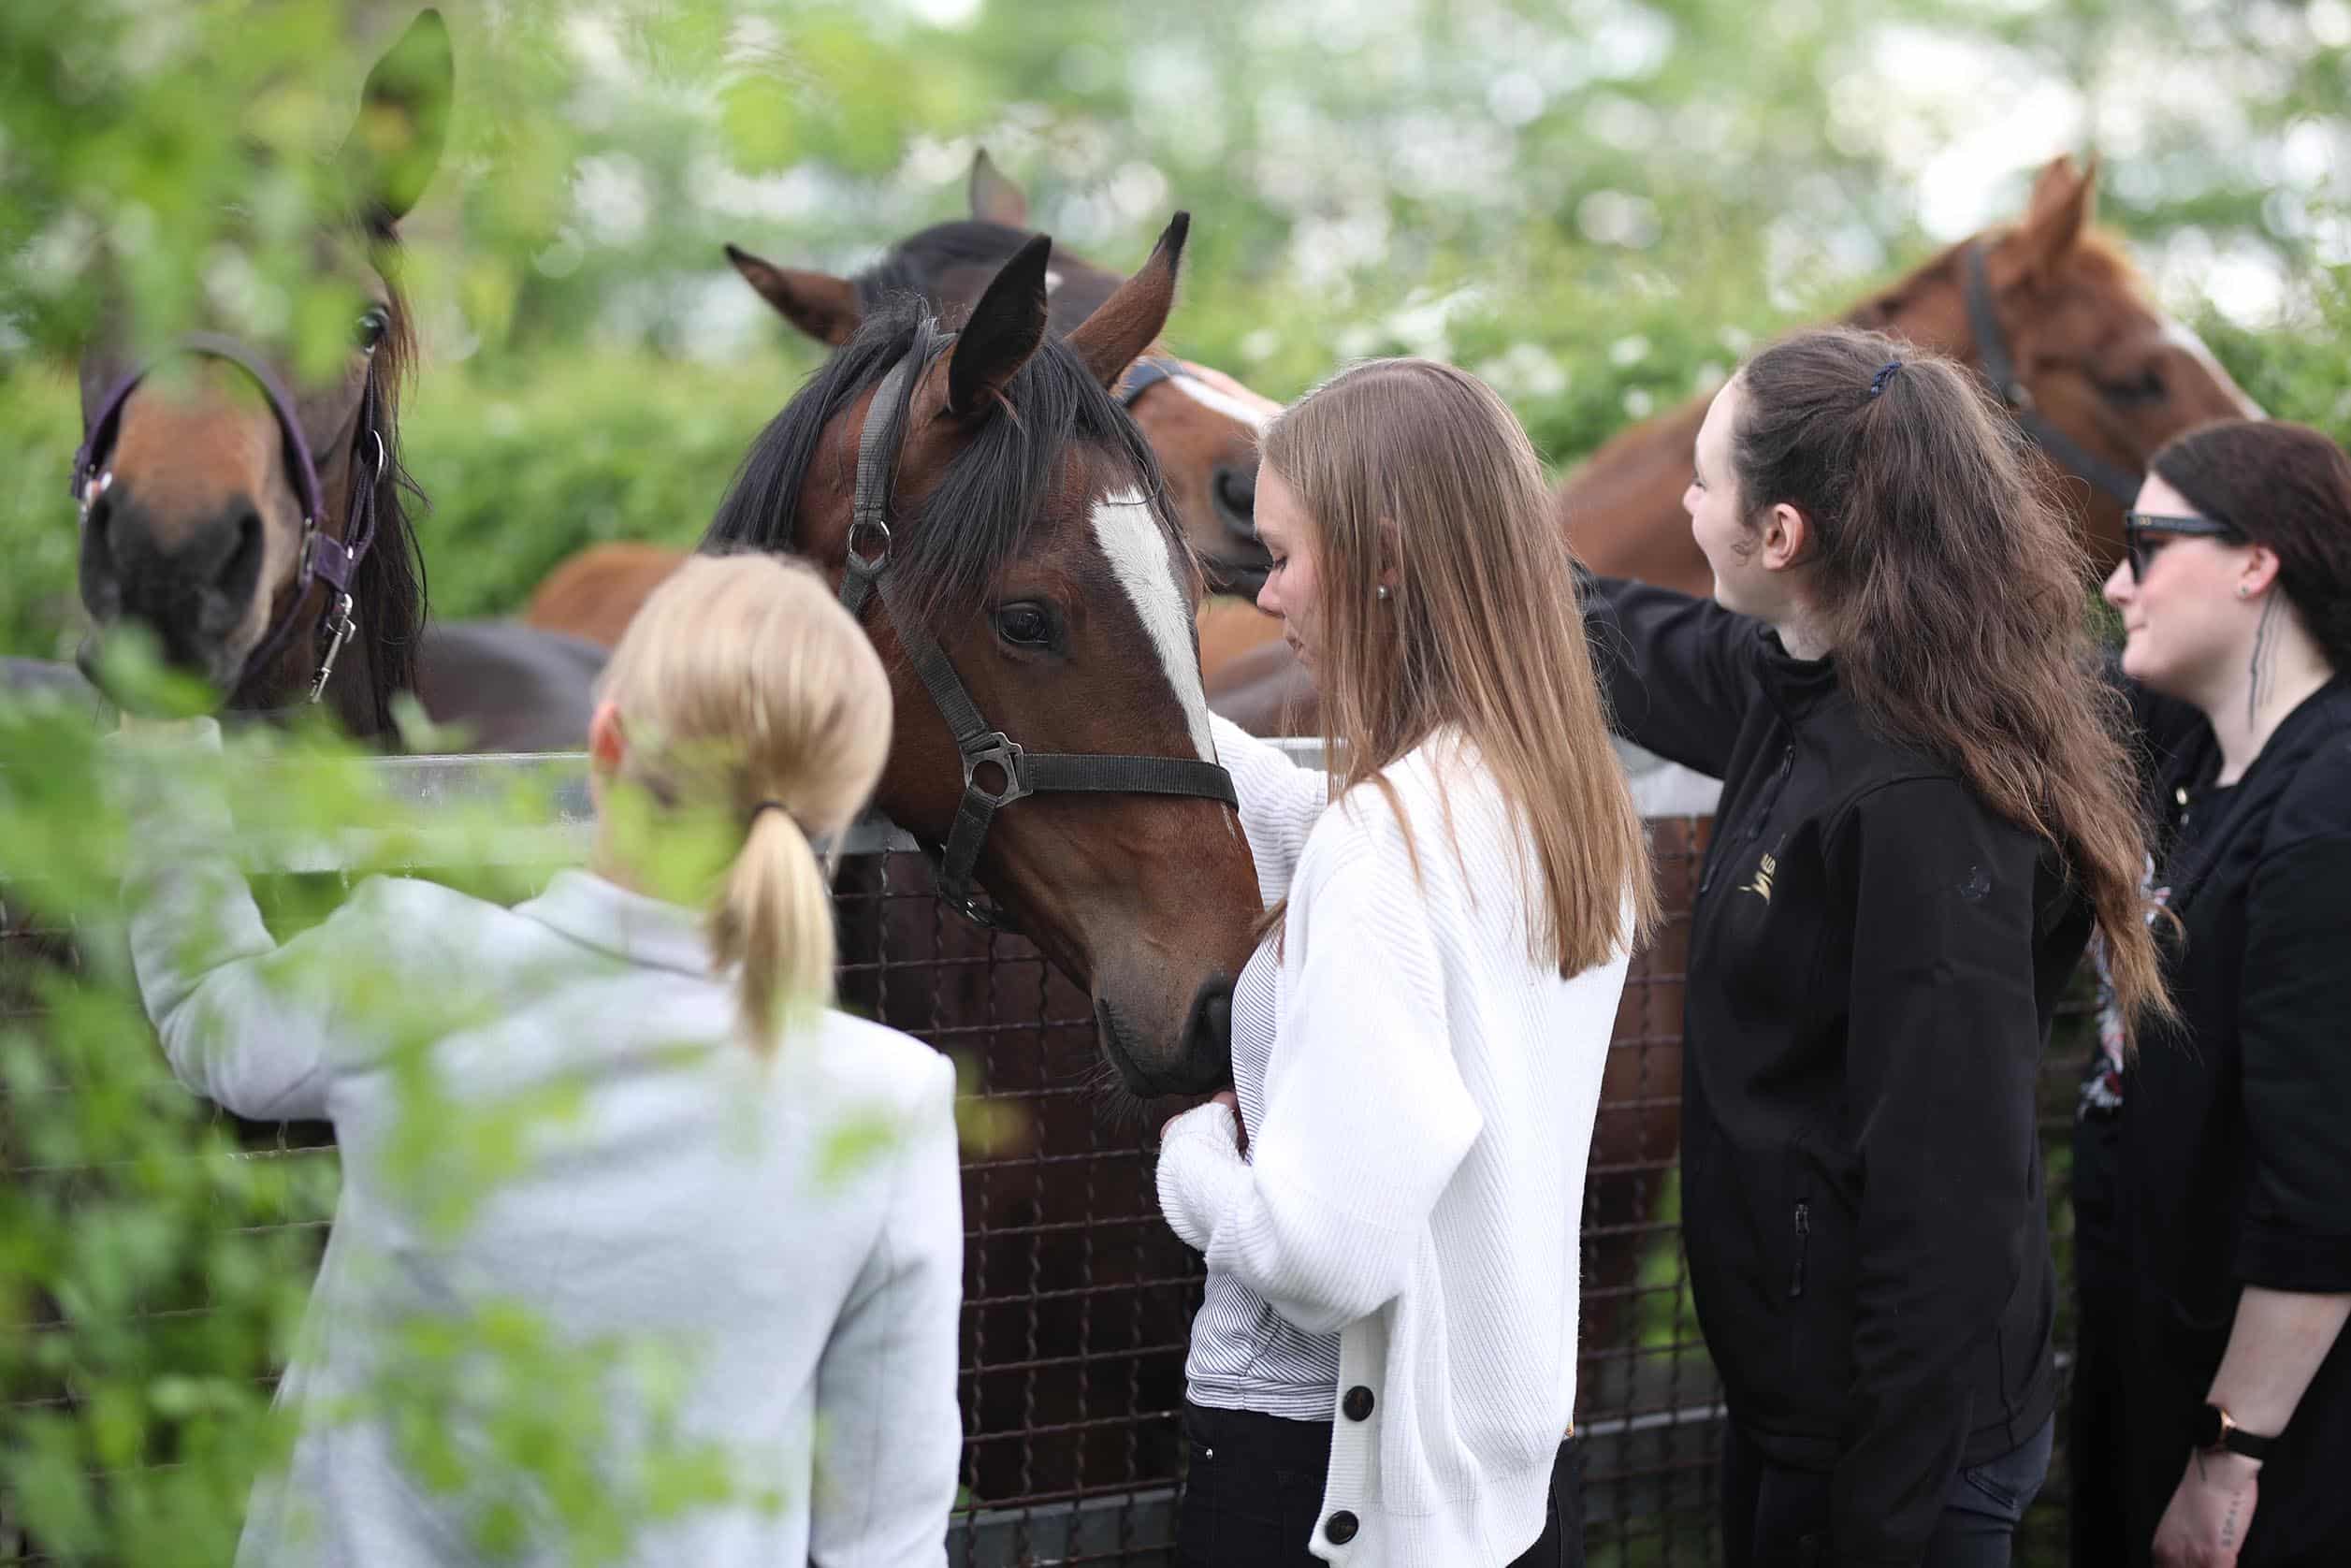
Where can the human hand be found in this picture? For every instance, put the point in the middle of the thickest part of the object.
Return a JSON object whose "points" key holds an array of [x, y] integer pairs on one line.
{"points": [[1224, 1098], [2206, 1523]]}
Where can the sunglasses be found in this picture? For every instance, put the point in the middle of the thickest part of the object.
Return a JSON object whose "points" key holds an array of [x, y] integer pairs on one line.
{"points": [[2145, 533]]}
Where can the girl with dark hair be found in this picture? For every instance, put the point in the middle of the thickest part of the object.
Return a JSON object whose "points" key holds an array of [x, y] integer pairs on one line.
{"points": [[2233, 1137], [1926, 807]]}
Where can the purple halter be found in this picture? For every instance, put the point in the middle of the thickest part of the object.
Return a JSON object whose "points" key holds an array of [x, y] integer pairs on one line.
{"points": [[323, 558]]}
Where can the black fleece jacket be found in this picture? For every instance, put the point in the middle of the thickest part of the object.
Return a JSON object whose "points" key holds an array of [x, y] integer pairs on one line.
{"points": [[1874, 959]]}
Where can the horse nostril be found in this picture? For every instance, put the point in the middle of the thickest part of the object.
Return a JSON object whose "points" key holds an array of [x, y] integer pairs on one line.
{"points": [[1236, 490], [239, 562], [1208, 1036]]}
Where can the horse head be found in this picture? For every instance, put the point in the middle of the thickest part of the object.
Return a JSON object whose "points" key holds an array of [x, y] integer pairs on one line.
{"points": [[247, 509], [2056, 318], [2062, 324], [1206, 437], [1019, 550]]}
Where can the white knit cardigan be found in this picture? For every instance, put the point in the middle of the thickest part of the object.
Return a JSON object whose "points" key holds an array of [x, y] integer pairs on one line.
{"points": [[1418, 1180]]}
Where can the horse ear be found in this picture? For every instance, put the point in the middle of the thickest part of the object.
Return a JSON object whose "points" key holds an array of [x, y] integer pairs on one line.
{"points": [[2064, 201], [995, 199], [1126, 324], [820, 304], [395, 144], [1004, 330]]}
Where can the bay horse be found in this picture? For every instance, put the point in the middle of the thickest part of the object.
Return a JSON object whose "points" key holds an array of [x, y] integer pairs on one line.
{"points": [[263, 540], [257, 521], [1037, 578], [1047, 588], [1201, 424], [2049, 308]]}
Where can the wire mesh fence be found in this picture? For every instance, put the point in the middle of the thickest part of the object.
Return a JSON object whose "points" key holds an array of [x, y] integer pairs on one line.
{"points": [[1078, 1299]]}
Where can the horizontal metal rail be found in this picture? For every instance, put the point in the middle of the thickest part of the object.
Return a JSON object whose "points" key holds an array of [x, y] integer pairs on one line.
{"points": [[1659, 788]]}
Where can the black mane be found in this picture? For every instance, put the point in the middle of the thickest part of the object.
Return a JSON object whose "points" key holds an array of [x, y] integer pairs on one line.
{"points": [[916, 263], [980, 513], [387, 592]]}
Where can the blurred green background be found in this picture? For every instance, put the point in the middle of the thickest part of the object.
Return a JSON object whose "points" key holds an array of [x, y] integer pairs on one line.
{"points": [[1599, 204]]}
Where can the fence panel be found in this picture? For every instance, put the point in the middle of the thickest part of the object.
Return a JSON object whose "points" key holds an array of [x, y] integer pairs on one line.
{"points": [[1078, 1299]]}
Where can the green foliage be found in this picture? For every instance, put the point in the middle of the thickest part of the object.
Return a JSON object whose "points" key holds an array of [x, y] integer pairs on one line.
{"points": [[1600, 205], [594, 446], [156, 1261]]}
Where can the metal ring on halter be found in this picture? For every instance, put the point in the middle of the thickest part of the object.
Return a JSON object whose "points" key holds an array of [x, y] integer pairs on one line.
{"points": [[97, 482], [380, 456], [998, 750], [869, 525]]}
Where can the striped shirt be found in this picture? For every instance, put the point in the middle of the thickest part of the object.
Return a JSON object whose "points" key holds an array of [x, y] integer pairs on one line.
{"points": [[1246, 1356]]}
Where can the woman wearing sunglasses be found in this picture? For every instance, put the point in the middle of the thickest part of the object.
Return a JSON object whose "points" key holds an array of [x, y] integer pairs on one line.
{"points": [[2233, 1133]]}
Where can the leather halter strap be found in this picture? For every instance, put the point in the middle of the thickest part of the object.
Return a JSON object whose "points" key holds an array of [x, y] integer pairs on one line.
{"points": [[323, 558], [1148, 373], [866, 576], [1999, 369]]}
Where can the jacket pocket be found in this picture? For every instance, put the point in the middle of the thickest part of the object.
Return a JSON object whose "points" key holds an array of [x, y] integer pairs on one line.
{"points": [[1814, 1283], [1803, 1217]]}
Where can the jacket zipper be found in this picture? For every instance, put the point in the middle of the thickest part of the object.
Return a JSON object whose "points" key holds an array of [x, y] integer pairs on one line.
{"points": [[1804, 1243], [1752, 826]]}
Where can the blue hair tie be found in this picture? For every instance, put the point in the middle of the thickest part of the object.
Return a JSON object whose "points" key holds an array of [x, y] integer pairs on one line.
{"points": [[1885, 375]]}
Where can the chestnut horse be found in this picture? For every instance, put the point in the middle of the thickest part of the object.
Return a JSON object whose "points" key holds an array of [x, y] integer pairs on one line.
{"points": [[2050, 309], [264, 539], [1201, 424]]}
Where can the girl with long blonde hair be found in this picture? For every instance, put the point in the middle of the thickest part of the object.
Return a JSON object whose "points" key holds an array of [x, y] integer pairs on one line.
{"points": [[1383, 1370], [795, 1312]]}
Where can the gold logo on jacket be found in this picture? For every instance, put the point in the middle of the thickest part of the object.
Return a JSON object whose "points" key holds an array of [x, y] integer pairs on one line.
{"points": [[1761, 886]]}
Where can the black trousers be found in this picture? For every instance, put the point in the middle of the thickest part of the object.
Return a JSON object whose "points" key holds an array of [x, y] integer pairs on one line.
{"points": [[2097, 1433], [1255, 1495], [1776, 1517]]}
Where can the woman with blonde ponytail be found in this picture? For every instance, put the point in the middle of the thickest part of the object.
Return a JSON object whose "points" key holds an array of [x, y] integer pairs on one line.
{"points": [[749, 700], [694, 1209]]}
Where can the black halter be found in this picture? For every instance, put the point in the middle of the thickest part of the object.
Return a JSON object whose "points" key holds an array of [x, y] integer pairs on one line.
{"points": [[2000, 370], [1024, 772], [323, 558], [1148, 373]]}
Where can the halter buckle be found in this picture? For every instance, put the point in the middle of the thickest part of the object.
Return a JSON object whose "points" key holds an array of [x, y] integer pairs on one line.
{"points": [[1001, 749], [988, 916], [340, 628], [96, 481]]}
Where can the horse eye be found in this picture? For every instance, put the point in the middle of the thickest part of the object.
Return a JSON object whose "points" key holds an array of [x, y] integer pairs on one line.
{"points": [[2145, 389], [372, 327], [1025, 626]]}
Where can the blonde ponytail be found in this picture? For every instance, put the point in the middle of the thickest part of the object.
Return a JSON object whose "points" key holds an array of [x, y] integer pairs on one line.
{"points": [[746, 693], [773, 917]]}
